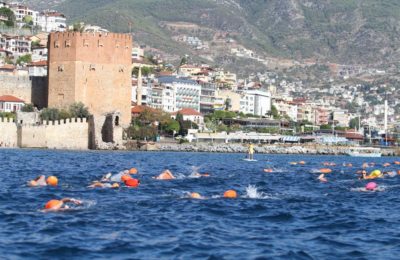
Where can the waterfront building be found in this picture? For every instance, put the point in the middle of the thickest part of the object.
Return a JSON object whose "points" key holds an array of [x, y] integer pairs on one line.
{"points": [[208, 97], [190, 114], [255, 102], [10, 103], [186, 91]]}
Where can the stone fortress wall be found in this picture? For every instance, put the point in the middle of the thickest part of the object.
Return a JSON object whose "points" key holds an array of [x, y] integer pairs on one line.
{"points": [[30, 89], [71, 134]]}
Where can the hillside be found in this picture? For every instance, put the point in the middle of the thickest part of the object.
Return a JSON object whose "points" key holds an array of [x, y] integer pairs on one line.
{"points": [[342, 31]]}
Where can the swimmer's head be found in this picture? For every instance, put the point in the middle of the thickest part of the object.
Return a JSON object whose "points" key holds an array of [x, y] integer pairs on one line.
{"points": [[115, 185], [132, 183], [133, 171], [195, 195], [52, 181], [231, 194], [125, 177], [53, 204], [302, 162]]}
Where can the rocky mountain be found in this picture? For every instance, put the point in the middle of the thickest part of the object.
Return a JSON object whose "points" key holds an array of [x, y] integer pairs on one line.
{"points": [[341, 31]]}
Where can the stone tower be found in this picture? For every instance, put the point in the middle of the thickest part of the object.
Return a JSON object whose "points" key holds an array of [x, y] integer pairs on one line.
{"points": [[93, 68]]}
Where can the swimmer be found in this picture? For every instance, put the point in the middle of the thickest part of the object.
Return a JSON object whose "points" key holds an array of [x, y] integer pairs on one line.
{"points": [[109, 177], [390, 173], [199, 175], [195, 195], [251, 151], [165, 175], [39, 181], [42, 181], [59, 205], [97, 184], [322, 178], [268, 170]]}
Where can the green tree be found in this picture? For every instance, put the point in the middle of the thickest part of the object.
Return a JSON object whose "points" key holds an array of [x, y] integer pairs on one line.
{"points": [[354, 123], [50, 114], [4, 11], [172, 127], [28, 108], [78, 110], [24, 59], [274, 112], [28, 20], [145, 71]]}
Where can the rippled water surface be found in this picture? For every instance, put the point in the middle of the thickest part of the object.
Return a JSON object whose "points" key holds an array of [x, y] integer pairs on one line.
{"points": [[287, 214]]}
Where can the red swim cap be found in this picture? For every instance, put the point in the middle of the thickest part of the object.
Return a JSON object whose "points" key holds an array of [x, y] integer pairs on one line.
{"points": [[132, 183]]}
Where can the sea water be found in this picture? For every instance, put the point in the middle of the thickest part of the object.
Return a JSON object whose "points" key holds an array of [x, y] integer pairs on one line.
{"points": [[285, 214]]}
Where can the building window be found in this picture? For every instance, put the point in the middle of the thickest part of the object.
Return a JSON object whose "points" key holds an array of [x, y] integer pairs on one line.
{"points": [[61, 68], [101, 43], [68, 43], [85, 43], [56, 44]]}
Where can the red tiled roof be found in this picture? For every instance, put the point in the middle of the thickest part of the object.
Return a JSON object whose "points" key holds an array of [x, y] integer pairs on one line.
{"points": [[188, 112], [7, 67], [8, 98], [140, 109], [41, 63]]}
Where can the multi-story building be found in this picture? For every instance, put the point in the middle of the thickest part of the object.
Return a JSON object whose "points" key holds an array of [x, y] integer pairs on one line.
{"points": [[52, 21], [17, 45], [321, 116], [255, 102], [187, 92], [22, 11], [163, 97], [207, 97], [231, 98], [340, 118]]}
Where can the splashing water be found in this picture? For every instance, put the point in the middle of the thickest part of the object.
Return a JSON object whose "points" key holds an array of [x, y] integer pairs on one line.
{"points": [[252, 193]]}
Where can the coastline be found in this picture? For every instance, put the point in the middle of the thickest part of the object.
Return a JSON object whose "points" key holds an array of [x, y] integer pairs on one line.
{"points": [[261, 149]]}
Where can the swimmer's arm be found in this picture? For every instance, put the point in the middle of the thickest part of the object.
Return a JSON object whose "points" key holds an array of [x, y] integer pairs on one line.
{"points": [[77, 202]]}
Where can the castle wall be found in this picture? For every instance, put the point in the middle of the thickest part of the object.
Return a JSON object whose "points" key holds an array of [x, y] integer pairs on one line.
{"points": [[8, 133], [92, 68], [73, 134], [30, 89]]}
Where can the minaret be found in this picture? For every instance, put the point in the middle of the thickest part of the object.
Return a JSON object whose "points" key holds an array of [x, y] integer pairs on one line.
{"points": [[139, 87]]}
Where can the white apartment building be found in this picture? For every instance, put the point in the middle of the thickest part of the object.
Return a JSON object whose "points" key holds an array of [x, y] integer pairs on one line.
{"points": [[255, 102], [21, 11], [51, 21], [163, 97], [17, 45], [186, 92]]}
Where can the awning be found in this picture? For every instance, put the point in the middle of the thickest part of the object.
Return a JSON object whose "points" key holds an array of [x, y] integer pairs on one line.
{"points": [[290, 139]]}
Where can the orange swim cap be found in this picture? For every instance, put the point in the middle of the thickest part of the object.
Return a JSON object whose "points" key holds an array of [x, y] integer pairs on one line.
{"points": [[397, 162], [268, 170], [51, 204], [52, 181], [302, 162], [195, 195], [325, 170], [133, 171], [132, 183], [125, 177], [230, 194]]}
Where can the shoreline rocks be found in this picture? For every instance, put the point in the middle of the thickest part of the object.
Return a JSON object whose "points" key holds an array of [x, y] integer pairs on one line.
{"points": [[262, 149]]}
